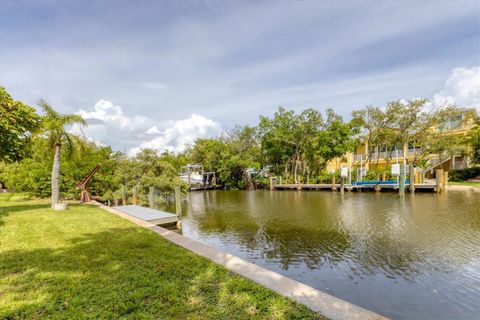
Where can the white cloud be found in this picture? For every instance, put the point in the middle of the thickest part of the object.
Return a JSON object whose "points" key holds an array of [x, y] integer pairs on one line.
{"points": [[154, 131], [461, 88], [181, 134], [109, 125], [110, 113]]}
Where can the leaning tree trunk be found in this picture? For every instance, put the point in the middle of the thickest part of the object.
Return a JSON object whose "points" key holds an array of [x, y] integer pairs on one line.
{"points": [[56, 176]]}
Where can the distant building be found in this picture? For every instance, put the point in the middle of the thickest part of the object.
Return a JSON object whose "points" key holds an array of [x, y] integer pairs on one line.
{"points": [[384, 157]]}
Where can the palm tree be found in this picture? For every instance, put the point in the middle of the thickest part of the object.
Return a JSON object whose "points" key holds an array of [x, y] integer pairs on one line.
{"points": [[54, 127]]}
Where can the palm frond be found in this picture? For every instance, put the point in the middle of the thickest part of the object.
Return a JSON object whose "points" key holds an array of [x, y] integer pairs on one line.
{"points": [[70, 119], [69, 144], [49, 111]]}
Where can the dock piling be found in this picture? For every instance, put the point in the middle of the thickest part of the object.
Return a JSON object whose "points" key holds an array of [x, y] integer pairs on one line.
{"points": [[151, 197], [124, 196], [178, 201], [134, 195], [401, 182], [412, 178], [445, 180], [438, 180]]}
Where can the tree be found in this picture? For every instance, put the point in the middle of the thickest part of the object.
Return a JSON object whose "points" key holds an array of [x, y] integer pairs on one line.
{"points": [[53, 125], [17, 122], [305, 140]]}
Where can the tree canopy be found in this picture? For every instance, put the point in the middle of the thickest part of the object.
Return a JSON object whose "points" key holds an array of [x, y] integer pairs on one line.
{"points": [[17, 123]]}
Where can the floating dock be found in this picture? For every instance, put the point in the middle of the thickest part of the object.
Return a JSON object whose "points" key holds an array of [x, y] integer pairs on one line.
{"points": [[353, 187], [151, 215]]}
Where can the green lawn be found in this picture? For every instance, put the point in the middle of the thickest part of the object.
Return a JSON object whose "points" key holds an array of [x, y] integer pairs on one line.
{"points": [[87, 263], [465, 183]]}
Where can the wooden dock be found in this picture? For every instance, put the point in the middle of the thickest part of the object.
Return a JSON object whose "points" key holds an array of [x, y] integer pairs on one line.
{"points": [[352, 187], [151, 215]]}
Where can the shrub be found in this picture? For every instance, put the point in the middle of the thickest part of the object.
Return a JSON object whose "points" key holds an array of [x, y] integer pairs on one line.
{"points": [[464, 174]]}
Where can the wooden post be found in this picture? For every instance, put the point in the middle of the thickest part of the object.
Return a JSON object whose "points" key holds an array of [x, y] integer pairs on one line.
{"points": [[334, 184], [124, 196], [412, 178], [445, 180], [151, 195], [401, 182], [178, 201], [342, 185], [377, 188], [134, 196], [271, 183], [438, 180]]}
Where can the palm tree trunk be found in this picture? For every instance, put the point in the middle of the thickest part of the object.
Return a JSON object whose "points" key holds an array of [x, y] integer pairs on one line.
{"points": [[56, 176]]}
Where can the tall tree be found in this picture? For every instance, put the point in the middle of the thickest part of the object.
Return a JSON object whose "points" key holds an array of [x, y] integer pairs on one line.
{"points": [[17, 122], [53, 125]]}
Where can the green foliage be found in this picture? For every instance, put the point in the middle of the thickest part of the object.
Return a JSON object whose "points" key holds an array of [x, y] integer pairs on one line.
{"points": [[474, 141], [54, 126], [148, 169], [464, 174], [33, 175], [303, 142], [17, 122]]}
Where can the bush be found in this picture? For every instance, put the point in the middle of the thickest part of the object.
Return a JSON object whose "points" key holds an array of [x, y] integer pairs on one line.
{"points": [[464, 174]]}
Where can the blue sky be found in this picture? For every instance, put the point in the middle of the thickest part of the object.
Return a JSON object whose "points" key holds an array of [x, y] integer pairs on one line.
{"points": [[162, 73]]}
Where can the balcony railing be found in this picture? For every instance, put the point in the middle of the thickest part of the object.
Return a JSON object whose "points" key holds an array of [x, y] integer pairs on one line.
{"points": [[387, 155]]}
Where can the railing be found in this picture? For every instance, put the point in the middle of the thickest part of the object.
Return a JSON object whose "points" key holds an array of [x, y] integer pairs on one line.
{"points": [[387, 155]]}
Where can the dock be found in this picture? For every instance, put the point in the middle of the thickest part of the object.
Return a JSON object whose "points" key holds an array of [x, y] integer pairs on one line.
{"points": [[352, 187], [151, 215]]}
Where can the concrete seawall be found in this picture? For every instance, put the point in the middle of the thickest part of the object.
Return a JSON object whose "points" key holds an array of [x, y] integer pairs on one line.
{"points": [[319, 301]]}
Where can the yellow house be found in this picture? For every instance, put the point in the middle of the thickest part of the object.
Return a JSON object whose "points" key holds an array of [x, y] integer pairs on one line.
{"points": [[383, 158]]}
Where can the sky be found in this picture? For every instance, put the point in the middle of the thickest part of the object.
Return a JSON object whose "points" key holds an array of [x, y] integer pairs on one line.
{"points": [[161, 74]]}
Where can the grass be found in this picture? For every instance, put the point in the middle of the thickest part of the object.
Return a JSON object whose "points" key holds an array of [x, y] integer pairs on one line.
{"points": [[465, 183], [89, 264]]}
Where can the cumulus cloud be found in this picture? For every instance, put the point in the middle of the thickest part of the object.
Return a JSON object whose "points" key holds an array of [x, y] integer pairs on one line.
{"points": [[181, 134], [110, 125], [461, 88], [109, 113]]}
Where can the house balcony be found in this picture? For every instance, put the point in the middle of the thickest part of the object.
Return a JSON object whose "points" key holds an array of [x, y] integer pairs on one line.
{"points": [[398, 154]]}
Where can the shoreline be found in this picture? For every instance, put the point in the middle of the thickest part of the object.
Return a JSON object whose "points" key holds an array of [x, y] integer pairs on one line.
{"points": [[317, 300]]}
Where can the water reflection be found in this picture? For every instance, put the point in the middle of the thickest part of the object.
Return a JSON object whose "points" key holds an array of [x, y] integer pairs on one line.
{"points": [[416, 257]]}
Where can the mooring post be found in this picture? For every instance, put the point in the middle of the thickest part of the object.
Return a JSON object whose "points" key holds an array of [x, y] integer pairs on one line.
{"points": [[438, 180], [401, 182], [445, 180], [151, 195], [412, 178], [124, 196], [342, 185], [178, 201], [334, 184], [134, 195]]}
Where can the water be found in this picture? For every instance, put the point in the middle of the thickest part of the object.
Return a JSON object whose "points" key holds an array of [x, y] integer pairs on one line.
{"points": [[411, 258]]}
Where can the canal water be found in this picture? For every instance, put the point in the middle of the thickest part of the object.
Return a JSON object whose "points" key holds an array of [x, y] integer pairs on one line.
{"points": [[411, 258]]}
